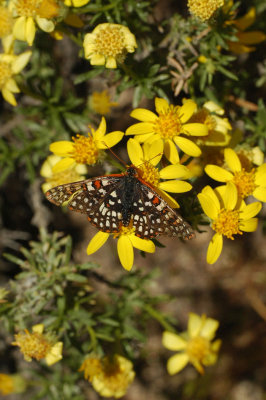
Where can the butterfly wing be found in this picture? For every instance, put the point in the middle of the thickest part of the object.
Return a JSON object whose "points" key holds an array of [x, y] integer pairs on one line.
{"points": [[152, 216]]}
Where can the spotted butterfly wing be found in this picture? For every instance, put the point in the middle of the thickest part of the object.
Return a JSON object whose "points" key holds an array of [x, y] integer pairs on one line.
{"points": [[118, 200]]}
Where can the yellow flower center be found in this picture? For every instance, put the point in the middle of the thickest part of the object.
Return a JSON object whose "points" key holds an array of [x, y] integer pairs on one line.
{"points": [[67, 176], [125, 230], [91, 367], [110, 42], [198, 348], [48, 9], [227, 223], [149, 173], [245, 182], [27, 8], [204, 8], [168, 124], [6, 384], [32, 345], [85, 150], [5, 73], [6, 22]]}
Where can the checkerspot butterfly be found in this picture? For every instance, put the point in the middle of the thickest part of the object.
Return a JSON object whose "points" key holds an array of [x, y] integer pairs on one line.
{"points": [[124, 199]]}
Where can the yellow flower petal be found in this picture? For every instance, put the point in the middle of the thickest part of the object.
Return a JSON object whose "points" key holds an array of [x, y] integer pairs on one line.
{"points": [[19, 28], [170, 152], [55, 354], [125, 252], [230, 196], [215, 248], [208, 206], [207, 190], [260, 193], [45, 24], [217, 173], [100, 132], [194, 324], [169, 199], [250, 210], [111, 62], [260, 176], [21, 61], [142, 244], [135, 152], [153, 152], [177, 171], [30, 30], [247, 20], [96, 59], [140, 128], [38, 328], [195, 129], [176, 363], [97, 241], [174, 186], [187, 146], [63, 164], [9, 97], [110, 140], [232, 160], [161, 105], [209, 328], [62, 148], [249, 225], [173, 342], [186, 111], [143, 115], [253, 37], [12, 86]]}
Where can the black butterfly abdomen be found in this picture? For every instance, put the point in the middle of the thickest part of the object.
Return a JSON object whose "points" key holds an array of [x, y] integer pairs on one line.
{"points": [[128, 195]]}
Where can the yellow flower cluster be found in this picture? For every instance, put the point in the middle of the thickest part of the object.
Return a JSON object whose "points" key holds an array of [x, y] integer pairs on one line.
{"points": [[204, 9], [109, 376]]}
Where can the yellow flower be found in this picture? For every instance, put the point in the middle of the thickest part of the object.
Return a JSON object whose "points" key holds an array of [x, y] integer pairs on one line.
{"points": [[84, 150], [229, 215], [38, 346], [247, 182], [76, 3], [108, 44], [6, 27], [194, 346], [52, 179], [249, 156], [101, 103], [27, 12], [110, 376], [125, 243], [11, 384], [168, 125], [146, 159], [204, 9], [218, 127], [245, 39], [11, 65]]}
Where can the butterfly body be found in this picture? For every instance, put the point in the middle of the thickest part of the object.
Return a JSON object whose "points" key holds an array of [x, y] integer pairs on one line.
{"points": [[117, 200]]}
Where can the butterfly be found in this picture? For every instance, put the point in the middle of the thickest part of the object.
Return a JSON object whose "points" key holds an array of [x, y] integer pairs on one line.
{"points": [[124, 199]]}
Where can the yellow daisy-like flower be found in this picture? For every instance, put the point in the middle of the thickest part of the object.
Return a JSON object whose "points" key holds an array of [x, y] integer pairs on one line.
{"points": [[204, 9], [170, 123], [245, 39], [218, 127], [194, 346], [127, 240], [76, 3], [11, 384], [84, 150], [229, 215], [38, 346], [110, 376], [76, 172], [108, 44], [101, 102], [29, 12], [247, 182], [146, 158], [11, 65]]}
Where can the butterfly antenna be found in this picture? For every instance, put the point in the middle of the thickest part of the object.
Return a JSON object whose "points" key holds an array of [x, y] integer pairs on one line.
{"points": [[115, 155]]}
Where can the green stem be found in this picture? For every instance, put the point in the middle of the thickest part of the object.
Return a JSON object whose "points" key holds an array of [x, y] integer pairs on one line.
{"points": [[156, 315]]}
